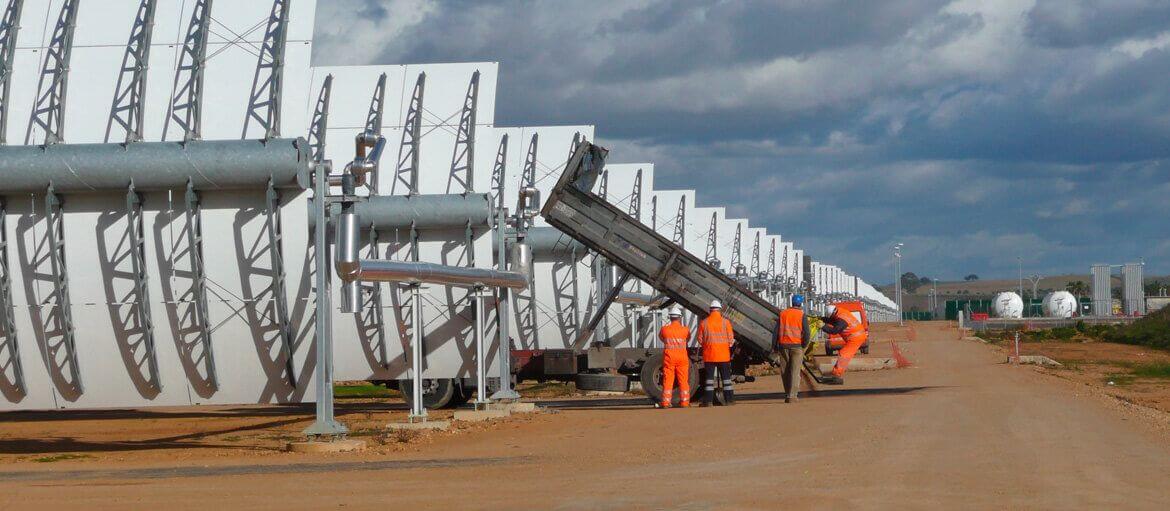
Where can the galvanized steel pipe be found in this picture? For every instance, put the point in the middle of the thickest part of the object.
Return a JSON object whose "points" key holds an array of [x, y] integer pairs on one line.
{"points": [[439, 211], [411, 272], [208, 164]]}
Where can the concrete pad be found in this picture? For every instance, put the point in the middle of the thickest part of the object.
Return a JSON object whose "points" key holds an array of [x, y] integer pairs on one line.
{"points": [[480, 415], [862, 364], [603, 393], [344, 445], [423, 426], [513, 407]]}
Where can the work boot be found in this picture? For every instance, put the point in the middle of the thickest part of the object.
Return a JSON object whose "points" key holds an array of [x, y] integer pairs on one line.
{"points": [[684, 404], [832, 380], [729, 397], [664, 405], [788, 400]]}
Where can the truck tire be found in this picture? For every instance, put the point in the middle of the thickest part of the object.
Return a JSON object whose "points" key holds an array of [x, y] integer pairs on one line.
{"points": [[651, 377], [437, 393], [603, 382]]}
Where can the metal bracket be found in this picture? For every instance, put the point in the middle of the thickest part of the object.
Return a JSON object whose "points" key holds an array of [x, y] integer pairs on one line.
{"points": [[49, 112], [135, 229], [64, 309], [186, 108], [7, 307], [264, 105], [9, 28], [279, 290], [194, 214]]}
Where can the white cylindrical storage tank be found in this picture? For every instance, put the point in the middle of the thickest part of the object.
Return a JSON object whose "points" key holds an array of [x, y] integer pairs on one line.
{"points": [[1008, 305], [1060, 304]]}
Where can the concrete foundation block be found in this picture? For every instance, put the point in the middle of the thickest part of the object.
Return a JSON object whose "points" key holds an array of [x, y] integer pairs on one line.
{"points": [[480, 415], [346, 445], [1039, 360], [513, 407], [862, 364], [423, 426]]}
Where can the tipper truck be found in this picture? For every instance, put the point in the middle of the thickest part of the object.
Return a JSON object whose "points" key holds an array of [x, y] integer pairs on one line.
{"points": [[644, 254]]}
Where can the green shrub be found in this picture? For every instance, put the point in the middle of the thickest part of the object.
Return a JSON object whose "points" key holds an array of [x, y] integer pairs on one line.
{"points": [[1152, 330]]}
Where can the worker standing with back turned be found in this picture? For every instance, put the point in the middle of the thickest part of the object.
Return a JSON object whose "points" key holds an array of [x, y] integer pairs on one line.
{"points": [[792, 338], [842, 322], [676, 364], [716, 337]]}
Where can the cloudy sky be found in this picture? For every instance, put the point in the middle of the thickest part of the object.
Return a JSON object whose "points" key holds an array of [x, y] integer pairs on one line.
{"points": [[973, 131]]}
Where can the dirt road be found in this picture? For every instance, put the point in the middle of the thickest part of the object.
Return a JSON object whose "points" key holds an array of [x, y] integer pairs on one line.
{"points": [[959, 429]]}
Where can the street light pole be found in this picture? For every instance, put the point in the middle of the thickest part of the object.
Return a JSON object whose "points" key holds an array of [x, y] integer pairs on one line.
{"points": [[898, 280]]}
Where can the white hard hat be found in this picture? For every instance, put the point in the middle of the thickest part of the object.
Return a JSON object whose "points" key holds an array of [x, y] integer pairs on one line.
{"points": [[830, 310], [715, 304], [676, 312]]}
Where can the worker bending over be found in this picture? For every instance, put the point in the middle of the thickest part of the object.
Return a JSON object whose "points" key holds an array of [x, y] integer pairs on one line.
{"points": [[676, 364], [792, 338], [842, 322], [716, 338]]}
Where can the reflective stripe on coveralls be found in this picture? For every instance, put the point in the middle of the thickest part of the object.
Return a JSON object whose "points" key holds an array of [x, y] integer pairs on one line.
{"points": [[675, 363], [854, 335], [791, 326]]}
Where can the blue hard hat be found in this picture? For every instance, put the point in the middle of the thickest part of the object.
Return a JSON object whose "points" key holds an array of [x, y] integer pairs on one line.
{"points": [[797, 300]]}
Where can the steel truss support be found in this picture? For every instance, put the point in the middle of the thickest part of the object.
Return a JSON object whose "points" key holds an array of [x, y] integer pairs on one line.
{"points": [[654, 213], [406, 173], [9, 28], [268, 82], [319, 125], [279, 290], [186, 108], [527, 322], [136, 231], [636, 197], [49, 112], [680, 223], [370, 319], [499, 173], [7, 307], [374, 125], [528, 175], [736, 261], [463, 159], [130, 92], [63, 308], [198, 292], [712, 234], [754, 264]]}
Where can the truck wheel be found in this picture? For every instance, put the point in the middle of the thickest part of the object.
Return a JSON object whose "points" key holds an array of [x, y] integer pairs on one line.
{"points": [[651, 377], [437, 393], [463, 394], [603, 382]]}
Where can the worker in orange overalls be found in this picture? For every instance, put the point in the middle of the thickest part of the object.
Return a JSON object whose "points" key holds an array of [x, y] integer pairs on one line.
{"points": [[844, 323], [716, 338], [792, 337], [676, 362]]}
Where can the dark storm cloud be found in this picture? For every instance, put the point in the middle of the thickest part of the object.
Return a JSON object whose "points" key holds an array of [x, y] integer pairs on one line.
{"points": [[1069, 23], [974, 131]]}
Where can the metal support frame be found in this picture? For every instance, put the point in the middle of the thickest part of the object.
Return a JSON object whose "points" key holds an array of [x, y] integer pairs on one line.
{"points": [[319, 125], [463, 158], [198, 291], [9, 29], [499, 173], [481, 397], [49, 112], [600, 313], [736, 260], [186, 108], [61, 303], [136, 230], [7, 307], [636, 197], [503, 299], [325, 426], [279, 290], [406, 173], [680, 223], [754, 264], [712, 233], [374, 125], [126, 109], [527, 322], [268, 82]]}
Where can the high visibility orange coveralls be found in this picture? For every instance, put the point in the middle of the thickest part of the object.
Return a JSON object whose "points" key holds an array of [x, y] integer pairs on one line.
{"points": [[716, 337], [845, 324], [676, 364]]}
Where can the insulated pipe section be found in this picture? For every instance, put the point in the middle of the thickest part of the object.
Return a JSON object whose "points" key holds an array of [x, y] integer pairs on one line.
{"points": [[408, 272], [207, 164], [547, 243], [346, 261], [631, 298], [441, 211]]}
